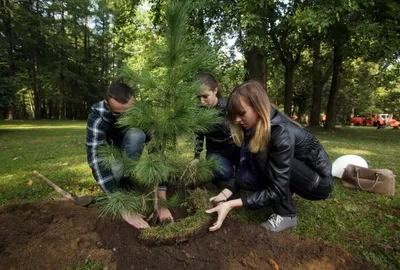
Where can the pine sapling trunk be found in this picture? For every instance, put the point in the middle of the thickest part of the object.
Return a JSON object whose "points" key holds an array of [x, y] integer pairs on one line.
{"points": [[155, 206]]}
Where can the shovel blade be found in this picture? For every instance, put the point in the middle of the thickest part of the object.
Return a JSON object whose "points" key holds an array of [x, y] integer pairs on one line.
{"points": [[83, 200]]}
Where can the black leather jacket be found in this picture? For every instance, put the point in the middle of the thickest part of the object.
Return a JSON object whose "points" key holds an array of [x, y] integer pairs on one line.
{"points": [[287, 141], [219, 139]]}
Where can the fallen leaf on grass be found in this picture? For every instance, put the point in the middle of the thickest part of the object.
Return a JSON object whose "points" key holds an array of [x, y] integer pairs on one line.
{"points": [[30, 182], [273, 264], [336, 201], [3, 147], [16, 158]]}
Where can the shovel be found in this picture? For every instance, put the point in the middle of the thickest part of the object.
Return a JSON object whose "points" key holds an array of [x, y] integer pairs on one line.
{"points": [[81, 200]]}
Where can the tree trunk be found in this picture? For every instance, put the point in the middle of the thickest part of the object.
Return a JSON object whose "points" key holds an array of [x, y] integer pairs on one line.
{"points": [[255, 65], [4, 113], [62, 63], [50, 108], [89, 60], [301, 109], [82, 111], [103, 55], [44, 108], [290, 62], [154, 220], [335, 85], [36, 90], [34, 49], [86, 43], [10, 61], [75, 37], [63, 115], [319, 80], [24, 112], [12, 112], [289, 72], [56, 111], [317, 87]]}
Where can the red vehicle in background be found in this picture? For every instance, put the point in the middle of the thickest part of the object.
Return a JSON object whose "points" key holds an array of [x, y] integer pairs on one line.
{"points": [[379, 120], [358, 121], [394, 123]]}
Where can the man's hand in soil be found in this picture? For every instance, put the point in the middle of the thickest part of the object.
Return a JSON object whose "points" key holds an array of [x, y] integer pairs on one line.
{"points": [[136, 220], [164, 214], [222, 210]]}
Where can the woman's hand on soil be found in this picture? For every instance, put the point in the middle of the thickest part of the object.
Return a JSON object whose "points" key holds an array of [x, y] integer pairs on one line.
{"points": [[222, 210], [165, 214], [136, 220], [216, 200], [223, 196]]}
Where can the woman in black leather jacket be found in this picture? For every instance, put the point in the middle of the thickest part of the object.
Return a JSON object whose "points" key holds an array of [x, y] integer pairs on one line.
{"points": [[219, 142], [278, 158]]}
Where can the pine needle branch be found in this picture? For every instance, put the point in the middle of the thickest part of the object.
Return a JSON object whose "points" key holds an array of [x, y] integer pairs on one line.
{"points": [[110, 156], [151, 170], [172, 202], [115, 204]]}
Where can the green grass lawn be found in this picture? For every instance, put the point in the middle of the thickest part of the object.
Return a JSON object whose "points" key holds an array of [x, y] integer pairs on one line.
{"points": [[364, 223], [54, 148]]}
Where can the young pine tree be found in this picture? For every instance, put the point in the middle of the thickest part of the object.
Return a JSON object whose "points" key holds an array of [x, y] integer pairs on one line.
{"points": [[168, 110]]}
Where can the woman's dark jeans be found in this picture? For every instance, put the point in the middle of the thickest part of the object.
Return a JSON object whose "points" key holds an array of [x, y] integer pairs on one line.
{"points": [[306, 183], [227, 169]]}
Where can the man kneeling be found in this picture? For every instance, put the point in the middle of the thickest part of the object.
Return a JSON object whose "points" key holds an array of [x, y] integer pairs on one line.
{"points": [[101, 130]]}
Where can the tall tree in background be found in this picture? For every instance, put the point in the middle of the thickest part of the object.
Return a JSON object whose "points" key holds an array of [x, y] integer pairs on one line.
{"points": [[349, 24], [315, 20], [7, 72], [243, 21], [288, 43], [54, 47]]}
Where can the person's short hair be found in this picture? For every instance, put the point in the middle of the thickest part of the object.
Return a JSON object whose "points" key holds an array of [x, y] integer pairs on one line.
{"points": [[120, 92], [207, 79]]}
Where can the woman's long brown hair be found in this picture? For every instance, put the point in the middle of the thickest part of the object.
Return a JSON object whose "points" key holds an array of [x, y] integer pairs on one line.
{"points": [[252, 93]]}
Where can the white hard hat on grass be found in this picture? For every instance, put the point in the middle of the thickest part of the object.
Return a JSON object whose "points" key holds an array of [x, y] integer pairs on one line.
{"points": [[340, 164]]}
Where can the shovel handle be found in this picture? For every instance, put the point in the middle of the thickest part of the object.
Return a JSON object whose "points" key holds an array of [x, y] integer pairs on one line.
{"points": [[55, 187]]}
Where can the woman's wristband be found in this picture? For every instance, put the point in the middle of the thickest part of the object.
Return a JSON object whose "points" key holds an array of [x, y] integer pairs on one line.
{"points": [[226, 197]]}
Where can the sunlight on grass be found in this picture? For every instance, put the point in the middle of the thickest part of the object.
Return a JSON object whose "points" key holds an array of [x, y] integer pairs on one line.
{"points": [[351, 151], [24, 127], [54, 148], [43, 124]]}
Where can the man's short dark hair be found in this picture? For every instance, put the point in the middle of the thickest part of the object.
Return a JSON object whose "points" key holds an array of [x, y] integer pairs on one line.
{"points": [[120, 92]]}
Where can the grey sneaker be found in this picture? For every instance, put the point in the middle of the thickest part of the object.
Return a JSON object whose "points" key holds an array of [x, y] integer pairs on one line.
{"points": [[277, 223]]}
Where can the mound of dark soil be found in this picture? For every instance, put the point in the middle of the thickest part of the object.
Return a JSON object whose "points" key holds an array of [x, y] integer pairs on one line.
{"points": [[58, 235]]}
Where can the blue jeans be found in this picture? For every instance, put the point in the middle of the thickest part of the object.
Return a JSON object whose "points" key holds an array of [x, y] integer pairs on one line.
{"points": [[132, 145], [227, 169]]}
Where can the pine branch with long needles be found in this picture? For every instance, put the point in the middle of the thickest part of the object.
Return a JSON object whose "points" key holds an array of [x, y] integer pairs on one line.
{"points": [[115, 204]]}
